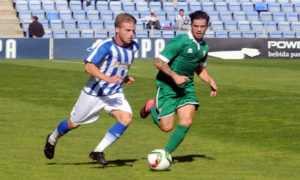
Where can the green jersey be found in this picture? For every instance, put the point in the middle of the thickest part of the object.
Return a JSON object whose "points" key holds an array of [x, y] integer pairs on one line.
{"points": [[183, 54]]}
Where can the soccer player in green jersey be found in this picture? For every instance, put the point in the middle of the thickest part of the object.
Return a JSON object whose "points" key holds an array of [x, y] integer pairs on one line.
{"points": [[183, 56]]}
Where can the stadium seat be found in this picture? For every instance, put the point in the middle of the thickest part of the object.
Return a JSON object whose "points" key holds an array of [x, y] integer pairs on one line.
{"points": [[239, 16], [244, 25], [59, 34], [134, 14], [115, 6], [87, 33], [282, 1], [61, 5], [83, 24], [143, 14], [92, 15], [195, 6], [155, 6], [261, 6], [141, 6], [79, 14], [235, 34], [295, 26], [34, 5], [207, 6], [106, 15], [128, 6], [287, 7], [155, 34], [209, 34], [266, 16], [115, 13], [221, 6], [24, 14], [275, 34], [21, 5], [261, 35], [109, 24], [234, 6], [252, 16], [247, 6], [88, 7], [182, 5], [48, 5], [69, 24], [171, 15], [45, 23], [139, 25], [168, 34], [102, 6], [48, 33], [292, 16], [168, 6], [164, 24], [221, 34], [73, 34], [25, 24], [96, 24], [217, 25], [141, 34], [284, 26], [75, 5], [274, 7], [270, 26], [289, 35], [297, 7], [52, 14], [39, 13], [257, 26], [248, 34], [111, 33], [214, 16], [65, 14], [161, 15], [226, 16], [279, 16], [101, 34], [55, 24], [230, 25]]}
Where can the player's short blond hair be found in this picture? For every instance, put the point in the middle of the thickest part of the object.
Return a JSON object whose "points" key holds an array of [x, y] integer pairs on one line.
{"points": [[124, 17]]}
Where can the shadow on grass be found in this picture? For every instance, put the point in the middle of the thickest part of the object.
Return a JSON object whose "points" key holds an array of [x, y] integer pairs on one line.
{"points": [[190, 158], [115, 163]]}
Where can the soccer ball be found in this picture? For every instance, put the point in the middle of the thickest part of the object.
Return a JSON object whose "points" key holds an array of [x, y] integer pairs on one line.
{"points": [[159, 160]]}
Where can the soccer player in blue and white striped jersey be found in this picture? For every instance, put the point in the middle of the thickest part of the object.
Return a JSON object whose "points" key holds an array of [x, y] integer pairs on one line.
{"points": [[108, 64]]}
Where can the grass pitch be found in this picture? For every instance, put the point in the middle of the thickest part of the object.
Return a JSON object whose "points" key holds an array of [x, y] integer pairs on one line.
{"points": [[251, 130]]}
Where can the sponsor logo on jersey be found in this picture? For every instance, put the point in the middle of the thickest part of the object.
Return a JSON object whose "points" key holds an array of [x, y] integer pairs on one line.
{"points": [[190, 51]]}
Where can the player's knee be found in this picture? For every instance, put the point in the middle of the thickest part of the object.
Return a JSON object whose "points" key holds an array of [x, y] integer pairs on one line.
{"points": [[126, 119], [166, 128], [186, 123], [71, 125]]}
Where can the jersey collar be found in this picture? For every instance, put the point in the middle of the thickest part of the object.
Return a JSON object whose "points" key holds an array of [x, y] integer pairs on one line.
{"points": [[193, 39]]}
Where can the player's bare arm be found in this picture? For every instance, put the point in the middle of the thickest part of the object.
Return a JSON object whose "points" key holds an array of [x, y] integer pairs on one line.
{"points": [[165, 68], [129, 80], [93, 70], [204, 76]]}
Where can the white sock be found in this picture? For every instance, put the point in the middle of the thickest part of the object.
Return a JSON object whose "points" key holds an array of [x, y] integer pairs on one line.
{"points": [[54, 137], [106, 141]]}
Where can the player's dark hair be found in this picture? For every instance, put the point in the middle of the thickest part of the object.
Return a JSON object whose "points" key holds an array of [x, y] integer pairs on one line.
{"points": [[124, 17], [181, 10], [35, 18], [199, 15]]}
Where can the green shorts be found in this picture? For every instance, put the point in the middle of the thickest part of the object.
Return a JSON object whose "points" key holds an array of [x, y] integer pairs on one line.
{"points": [[168, 101]]}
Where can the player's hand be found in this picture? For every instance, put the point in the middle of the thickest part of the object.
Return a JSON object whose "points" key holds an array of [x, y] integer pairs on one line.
{"points": [[214, 88], [115, 79], [129, 80], [180, 79]]}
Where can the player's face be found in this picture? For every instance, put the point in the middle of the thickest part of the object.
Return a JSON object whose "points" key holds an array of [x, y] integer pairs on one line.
{"points": [[199, 27], [126, 32], [181, 13]]}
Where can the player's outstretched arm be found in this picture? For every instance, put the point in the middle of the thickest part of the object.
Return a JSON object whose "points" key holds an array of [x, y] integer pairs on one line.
{"points": [[165, 68], [93, 70], [203, 75]]}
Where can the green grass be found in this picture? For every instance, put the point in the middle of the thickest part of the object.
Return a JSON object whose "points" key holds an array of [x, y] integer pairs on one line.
{"points": [[251, 130]]}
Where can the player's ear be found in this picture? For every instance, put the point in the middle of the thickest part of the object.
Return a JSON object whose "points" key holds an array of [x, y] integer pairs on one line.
{"points": [[117, 30]]}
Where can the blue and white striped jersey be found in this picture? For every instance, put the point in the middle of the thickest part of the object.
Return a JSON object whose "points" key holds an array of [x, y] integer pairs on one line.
{"points": [[111, 60]]}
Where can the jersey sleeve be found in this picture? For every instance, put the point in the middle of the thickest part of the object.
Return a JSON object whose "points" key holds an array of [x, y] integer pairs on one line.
{"points": [[97, 54], [171, 50]]}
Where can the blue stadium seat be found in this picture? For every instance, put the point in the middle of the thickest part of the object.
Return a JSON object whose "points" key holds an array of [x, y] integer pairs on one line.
{"points": [[222, 34], [257, 26], [141, 34], [266, 16], [221, 6], [168, 34], [275, 34], [287, 7], [134, 14], [139, 25], [128, 6], [274, 7], [289, 35], [96, 24], [226, 16], [101, 34], [282, 1], [87, 33], [141, 6], [39, 13], [182, 5], [155, 34], [252, 16], [59, 34], [261, 35], [111, 33], [75, 5], [65, 14], [92, 15], [270, 26], [217, 25], [34, 5], [297, 6], [25, 24], [156, 6], [248, 34], [55, 24], [292, 16], [171, 15], [61, 5], [161, 15], [109, 24], [230, 25], [144, 14], [24, 14], [207, 6], [89, 7], [52, 14], [21, 5], [115, 13], [235, 34], [244, 25], [239, 15], [115, 6], [295, 26], [214, 16], [106, 15], [45, 23], [279, 16], [165, 24], [83, 24], [209, 34], [247, 6], [69, 24], [284, 26], [48, 5], [79, 14], [234, 6], [261, 6], [168, 6], [195, 6], [102, 6], [48, 33], [73, 34]]}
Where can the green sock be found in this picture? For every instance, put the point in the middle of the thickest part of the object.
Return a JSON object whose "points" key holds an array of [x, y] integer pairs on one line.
{"points": [[154, 114], [176, 138]]}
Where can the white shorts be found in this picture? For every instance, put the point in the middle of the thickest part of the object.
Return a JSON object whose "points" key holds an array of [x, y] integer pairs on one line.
{"points": [[88, 107]]}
